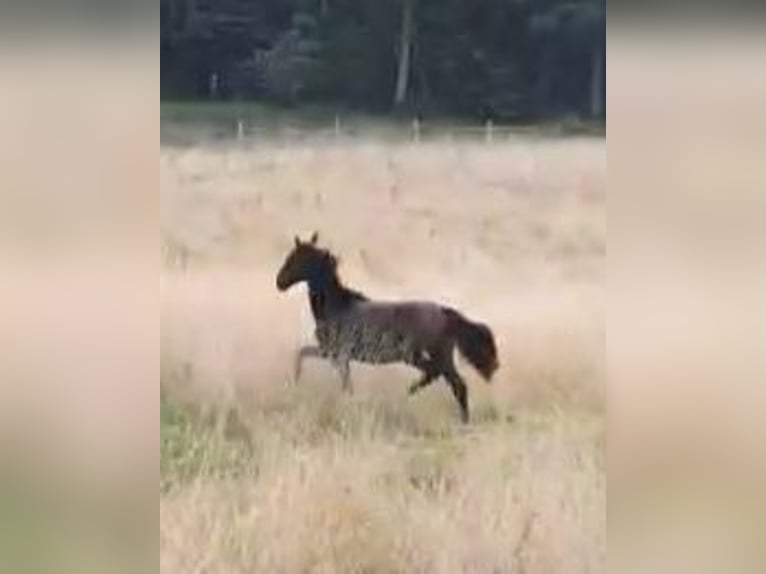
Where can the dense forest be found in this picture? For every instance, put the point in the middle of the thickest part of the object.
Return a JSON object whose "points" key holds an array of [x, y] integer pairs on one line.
{"points": [[506, 60]]}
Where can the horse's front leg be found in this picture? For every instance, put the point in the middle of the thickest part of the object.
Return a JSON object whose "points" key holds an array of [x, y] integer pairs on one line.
{"points": [[310, 351], [343, 364]]}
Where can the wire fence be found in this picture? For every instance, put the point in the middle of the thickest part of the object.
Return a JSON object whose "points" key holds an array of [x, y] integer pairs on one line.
{"points": [[415, 131]]}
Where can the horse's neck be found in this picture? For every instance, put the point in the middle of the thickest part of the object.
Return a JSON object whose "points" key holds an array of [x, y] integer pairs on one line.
{"points": [[330, 296], [317, 302]]}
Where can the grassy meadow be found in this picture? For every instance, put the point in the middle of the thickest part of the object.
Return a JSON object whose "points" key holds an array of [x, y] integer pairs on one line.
{"points": [[259, 474]]}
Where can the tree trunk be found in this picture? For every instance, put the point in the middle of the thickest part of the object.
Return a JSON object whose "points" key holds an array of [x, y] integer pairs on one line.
{"points": [[171, 12], [596, 90], [188, 16], [405, 48]]}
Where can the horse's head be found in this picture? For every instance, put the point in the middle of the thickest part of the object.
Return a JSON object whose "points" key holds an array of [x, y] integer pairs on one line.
{"points": [[305, 262]]}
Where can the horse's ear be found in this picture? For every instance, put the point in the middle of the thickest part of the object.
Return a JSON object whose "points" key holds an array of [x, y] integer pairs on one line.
{"points": [[314, 238], [297, 241]]}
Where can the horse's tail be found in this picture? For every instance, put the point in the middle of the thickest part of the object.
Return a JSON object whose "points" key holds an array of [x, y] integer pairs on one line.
{"points": [[475, 342]]}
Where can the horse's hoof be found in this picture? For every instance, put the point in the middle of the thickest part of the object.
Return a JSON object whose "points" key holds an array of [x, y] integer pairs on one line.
{"points": [[414, 388]]}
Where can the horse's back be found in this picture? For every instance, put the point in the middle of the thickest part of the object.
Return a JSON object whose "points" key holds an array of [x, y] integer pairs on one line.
{"points": [[423, 320]]}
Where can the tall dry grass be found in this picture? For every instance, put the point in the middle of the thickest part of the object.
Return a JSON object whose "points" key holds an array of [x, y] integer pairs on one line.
{"points": [[260, 475]]}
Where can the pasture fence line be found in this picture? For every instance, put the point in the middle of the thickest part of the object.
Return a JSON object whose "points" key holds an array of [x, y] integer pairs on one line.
{"points": [[338, 130], [416, 132], [249, 132]]}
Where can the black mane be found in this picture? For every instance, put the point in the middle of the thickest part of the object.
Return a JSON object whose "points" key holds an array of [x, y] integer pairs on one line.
{"points": [[328, 289]]}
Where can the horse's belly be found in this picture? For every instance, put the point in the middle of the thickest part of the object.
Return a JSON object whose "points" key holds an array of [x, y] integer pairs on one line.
{"points": [[380, 347], [367, 342], [381, 355]]}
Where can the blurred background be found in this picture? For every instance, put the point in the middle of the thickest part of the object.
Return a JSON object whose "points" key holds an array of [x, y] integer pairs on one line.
{"points": [[491, 59], [650, 351]]}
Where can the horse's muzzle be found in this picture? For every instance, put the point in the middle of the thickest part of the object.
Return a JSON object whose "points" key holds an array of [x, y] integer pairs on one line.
{"points": [[283, 283]]}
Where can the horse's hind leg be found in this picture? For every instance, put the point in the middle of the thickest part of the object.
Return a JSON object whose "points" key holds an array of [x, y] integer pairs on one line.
{"points": [[427, 378], [430, 374], [440, 362], [308, 351], [459, 389]]}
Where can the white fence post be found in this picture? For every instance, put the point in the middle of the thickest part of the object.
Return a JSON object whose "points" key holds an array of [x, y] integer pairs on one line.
{"points": [[451, 134], [488, 131]]}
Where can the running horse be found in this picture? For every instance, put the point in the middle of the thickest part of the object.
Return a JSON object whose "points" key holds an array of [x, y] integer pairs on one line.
{"points": [[351, 327]]}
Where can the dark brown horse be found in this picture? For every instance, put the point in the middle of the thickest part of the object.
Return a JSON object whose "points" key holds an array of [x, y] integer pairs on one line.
{"points": [[349, 327]]}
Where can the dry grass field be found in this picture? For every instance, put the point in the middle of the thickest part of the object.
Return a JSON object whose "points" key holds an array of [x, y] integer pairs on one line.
{"points": [[262, 475]]}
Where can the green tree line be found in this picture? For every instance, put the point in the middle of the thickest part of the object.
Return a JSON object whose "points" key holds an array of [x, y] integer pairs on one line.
{"points": [[494, 59]]}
